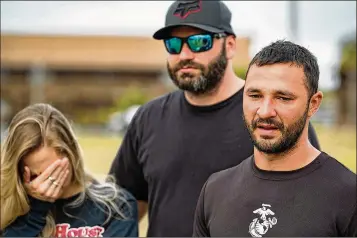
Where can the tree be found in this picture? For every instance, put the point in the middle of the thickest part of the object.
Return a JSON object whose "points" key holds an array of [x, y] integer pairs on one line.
{"points": [[346, 68]]}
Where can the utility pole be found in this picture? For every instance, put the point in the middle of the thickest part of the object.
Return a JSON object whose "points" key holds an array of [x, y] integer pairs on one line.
{"points": [[293, 20], [37, 83]]}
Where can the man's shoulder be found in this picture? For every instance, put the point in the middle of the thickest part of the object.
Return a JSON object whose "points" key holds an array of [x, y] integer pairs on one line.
{"points": [[160, 103], [331, 163], [337, 175], [230, 175]]}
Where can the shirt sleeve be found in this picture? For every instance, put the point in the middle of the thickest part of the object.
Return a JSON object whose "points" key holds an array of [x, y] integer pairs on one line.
{"points": [[313, 137], [200, 228], [351, 230], [125, 167], [32, 223], [128, 226]]}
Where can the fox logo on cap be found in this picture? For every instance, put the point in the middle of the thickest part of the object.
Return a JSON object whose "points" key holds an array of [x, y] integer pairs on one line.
{"points": [[185, 8]]}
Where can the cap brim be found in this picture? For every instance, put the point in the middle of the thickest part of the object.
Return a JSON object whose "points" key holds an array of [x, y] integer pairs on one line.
{"points": [[165, 32]]}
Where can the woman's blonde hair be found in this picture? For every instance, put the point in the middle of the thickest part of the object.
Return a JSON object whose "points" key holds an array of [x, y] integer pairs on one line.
{"points": [[35, 126]]}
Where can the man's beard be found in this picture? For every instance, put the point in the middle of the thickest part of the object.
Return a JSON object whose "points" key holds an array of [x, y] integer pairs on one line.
{"points": [[289, 135], [208, 79]]}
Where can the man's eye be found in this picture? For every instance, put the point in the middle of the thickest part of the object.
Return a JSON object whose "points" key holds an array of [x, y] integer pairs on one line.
{"points": [[284, 98]]}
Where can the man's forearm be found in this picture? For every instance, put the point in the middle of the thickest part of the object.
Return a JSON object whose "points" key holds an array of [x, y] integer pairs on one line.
{"points": [[142, 209]]}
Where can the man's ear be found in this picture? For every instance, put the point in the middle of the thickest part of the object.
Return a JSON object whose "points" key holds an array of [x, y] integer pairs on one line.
{"points": [[315, 103], [230, 47]]}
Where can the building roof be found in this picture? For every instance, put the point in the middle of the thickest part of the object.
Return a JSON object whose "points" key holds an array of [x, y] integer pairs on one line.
{"points": [[94, 52]]}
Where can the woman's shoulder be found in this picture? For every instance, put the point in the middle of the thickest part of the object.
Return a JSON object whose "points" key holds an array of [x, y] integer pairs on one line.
{"points": [[116, 197], [127, 204]]}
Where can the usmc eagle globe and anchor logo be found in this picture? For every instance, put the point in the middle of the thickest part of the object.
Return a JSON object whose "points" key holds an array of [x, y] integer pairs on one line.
{"points": [[260, 226]]}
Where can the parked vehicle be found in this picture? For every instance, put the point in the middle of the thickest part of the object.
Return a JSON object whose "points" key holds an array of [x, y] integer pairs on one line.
{"points": [[119, 121]]}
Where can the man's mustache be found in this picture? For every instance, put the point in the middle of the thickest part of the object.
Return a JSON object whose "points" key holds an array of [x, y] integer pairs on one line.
{"points": [[188, 63], [268, 121]]}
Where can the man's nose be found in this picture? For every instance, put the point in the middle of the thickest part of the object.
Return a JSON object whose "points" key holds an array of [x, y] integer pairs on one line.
{"points": [[186, 53], [266, 109]]}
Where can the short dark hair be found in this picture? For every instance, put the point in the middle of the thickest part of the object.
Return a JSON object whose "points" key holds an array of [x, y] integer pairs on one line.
{"points": [[283, 51]]}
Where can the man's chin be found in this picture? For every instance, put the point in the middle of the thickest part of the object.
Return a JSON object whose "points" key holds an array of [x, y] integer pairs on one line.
{"points": [[187, 81], [266, 145]]}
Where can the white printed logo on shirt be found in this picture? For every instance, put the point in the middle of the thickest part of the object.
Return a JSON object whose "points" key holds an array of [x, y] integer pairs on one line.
{"points": [[64, 230], [259, 226]]}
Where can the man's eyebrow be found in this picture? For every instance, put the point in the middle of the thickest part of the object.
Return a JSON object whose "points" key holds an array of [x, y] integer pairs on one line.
{"points": [[276, 92], [253, 90], [285, 93]]}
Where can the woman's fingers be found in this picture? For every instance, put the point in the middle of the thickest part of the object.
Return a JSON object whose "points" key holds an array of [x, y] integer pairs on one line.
{"points": [[45, 175], [45, 185], [27, 177], [58, 188], [49, 170], [35, 184], [27, 174], [55, 182]]}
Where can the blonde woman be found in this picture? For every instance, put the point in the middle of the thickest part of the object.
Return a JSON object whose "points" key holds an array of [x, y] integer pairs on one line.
{"points": [[45, 190]]}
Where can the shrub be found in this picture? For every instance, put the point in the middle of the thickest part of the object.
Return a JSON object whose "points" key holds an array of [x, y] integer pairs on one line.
{"points": [[241, 71], [131, 96]]}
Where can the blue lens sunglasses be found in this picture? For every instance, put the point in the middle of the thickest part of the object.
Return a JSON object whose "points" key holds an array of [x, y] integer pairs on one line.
{"points": [[196, 43]]}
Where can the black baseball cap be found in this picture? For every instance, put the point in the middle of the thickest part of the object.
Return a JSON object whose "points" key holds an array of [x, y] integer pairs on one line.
{"points": [[208, 15]]}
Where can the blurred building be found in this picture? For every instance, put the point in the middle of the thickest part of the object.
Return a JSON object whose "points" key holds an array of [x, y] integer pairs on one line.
{"points": [[84, 73]]}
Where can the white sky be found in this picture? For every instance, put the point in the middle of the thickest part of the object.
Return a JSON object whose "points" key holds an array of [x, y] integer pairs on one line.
{"points": [[321, 24]]}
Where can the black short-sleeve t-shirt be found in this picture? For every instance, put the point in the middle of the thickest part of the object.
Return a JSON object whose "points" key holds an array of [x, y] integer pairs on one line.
{"points": [[318, 200]]}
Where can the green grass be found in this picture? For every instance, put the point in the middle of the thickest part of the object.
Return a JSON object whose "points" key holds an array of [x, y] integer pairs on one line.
{"points": [[99, 152], [340, 143]]}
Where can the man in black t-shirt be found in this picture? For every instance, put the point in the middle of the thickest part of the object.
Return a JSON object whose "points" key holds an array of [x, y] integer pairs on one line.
{"points": [[287, 187], [176, 141]]}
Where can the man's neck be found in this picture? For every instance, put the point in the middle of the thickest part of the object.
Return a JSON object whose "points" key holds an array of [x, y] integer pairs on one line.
{"points": [[298, 157], [229, 85]]}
